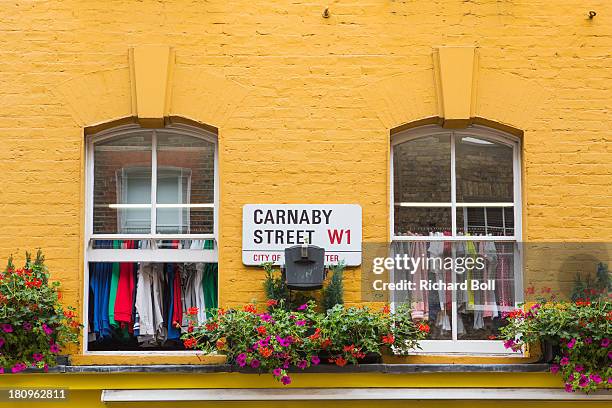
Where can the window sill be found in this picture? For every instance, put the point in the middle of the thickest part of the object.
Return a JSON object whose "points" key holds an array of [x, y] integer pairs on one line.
{"points": [[363, 368]]}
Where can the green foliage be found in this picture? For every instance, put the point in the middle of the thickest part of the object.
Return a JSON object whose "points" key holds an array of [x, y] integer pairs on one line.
{"points": [[586, 288], [278, 339], [33, 324], [274, 284], [581, 329], [333, 293]]}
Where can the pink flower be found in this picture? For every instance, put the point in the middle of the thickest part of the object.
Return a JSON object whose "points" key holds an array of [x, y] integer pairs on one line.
{"points": [[571, 343], [564, 361], [255, 363], [7, 328], [315, 360], [583, 381], [241, 359], [1, 342], [605, 342], [300, 322], [596, 378], [302, 364], [303, 307], [509, 344], [27, 326], [277, 372], [588, 340], [18, 368], [37, 356], [579, 368], [46, 368], [569, 388], [286, 380], [1, 370], [54, 348], [554, 368], [265, 317], [47, 329], [610, 355]]}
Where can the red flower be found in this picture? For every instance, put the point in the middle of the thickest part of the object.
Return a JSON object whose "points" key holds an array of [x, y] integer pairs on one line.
{"points": [[326, 343], [340, 362], [190, 343], [349, 348], [265, 351], [389, 338], [211, 326], [424, 327], [386, 309], [261, 330], [192, 311], [315, 335], [190, 329], [492, 337], [221, 311], [272, 302], [220, 344], [583, 302], [74, 324], [250, 308], [69, 314]]}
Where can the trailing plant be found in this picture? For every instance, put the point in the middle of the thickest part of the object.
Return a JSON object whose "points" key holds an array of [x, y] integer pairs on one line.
{"points": [[276, 339], [333, 293], [34, 326], [582, 331]]}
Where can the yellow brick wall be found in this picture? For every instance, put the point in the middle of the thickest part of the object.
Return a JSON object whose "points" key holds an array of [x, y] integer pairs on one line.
{"points": [[300, 100]]}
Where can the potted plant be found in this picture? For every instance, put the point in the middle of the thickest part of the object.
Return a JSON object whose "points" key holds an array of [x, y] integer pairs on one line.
{"points": [[579, 330], [277, 339], [34, 326]]}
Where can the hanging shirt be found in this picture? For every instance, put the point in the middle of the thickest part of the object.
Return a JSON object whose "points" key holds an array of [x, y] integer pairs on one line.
{"points": [[125, 290]]}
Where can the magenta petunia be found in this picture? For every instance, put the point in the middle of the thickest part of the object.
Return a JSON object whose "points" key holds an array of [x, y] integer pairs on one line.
{"points": [[571, 343], [554, 368], [54, 348], [564, 361], [596, 378], [303, 307], [509, 344], [588, 340], [605, 342], [255, 363], [37, 356], [579, 368], [286, 380], [302, 364], [569, 387], [1, 342], [1, 370], [7, 328], [300, 323], [583, 381], [610, 355], [47, 329], [27, 326], [277, 372], [315, 360]]}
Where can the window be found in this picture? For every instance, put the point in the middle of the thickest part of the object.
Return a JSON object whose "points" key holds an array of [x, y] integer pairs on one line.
{"points": [[456, 195], [151, 226]]}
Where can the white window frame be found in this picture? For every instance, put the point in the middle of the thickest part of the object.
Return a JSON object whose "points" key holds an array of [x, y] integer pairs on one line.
{"points": [[151, 254], [455, 346]]}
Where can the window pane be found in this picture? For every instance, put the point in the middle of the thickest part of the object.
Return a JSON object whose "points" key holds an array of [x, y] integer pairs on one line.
{"points": [[122, 185], [422, 170], [185, 184], [480, 308], [427, 302], [484, 170], [422, 221], [496, 221]]}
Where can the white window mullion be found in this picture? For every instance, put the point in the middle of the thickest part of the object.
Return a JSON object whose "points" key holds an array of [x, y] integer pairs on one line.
{"points": [[453, 187], [154, 183]]}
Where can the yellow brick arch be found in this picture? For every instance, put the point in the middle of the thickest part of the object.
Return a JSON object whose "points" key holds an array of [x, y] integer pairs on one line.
{"points": [[150, 88]]}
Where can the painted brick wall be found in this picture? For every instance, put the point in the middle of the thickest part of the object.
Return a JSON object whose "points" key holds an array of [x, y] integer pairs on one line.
{"points": [[312, 128]]}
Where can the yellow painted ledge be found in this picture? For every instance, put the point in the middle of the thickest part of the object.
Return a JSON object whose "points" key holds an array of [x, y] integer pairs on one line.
{"points": [[146, 359], [86, 381]]}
